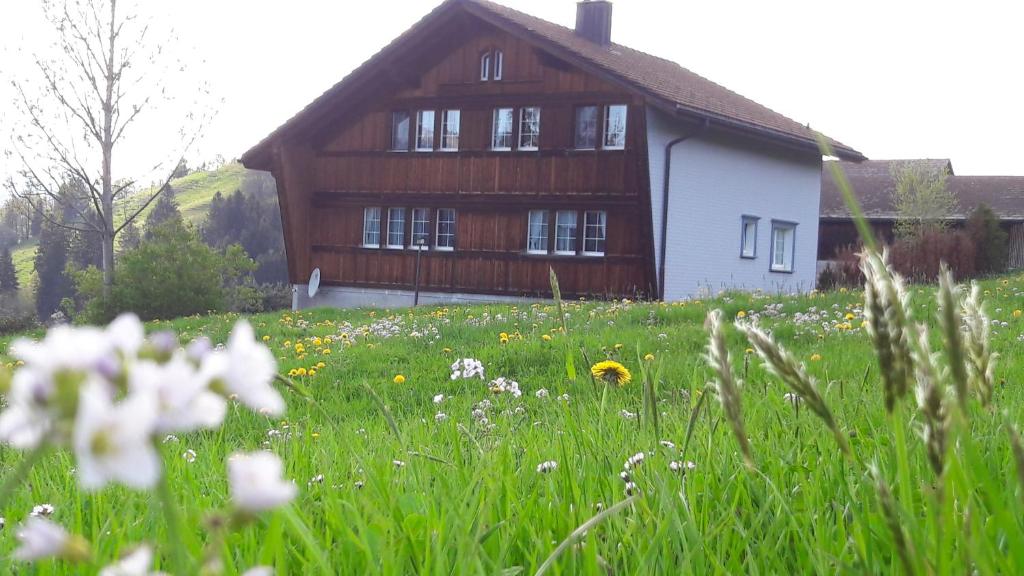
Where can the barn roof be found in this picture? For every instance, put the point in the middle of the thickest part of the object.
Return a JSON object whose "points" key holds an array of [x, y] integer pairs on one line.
{"points": [[873, 182], [667, 85]]}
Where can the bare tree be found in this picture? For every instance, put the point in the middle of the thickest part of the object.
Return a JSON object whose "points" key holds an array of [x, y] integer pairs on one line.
{"points": [[102, 73], [921, 198]]}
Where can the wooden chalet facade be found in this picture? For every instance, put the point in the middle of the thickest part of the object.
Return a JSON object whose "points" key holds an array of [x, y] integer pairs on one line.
{"points": [[484, 149]]}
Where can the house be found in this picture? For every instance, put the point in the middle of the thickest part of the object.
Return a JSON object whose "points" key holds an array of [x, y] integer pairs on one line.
{"points": [[484, 146], [873, 182]]}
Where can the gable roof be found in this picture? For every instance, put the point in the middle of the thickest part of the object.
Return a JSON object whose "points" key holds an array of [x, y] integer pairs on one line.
{"points": [[873, 183], [667, 85]]}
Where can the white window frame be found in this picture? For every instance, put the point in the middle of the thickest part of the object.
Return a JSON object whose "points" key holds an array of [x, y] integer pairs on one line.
{"points": [[371, 214], [607, 126], [395, 132], [420, 216], [788, 251], [535, 136], [576, 127], [438, 245], [511, 129], [450, 138], [575, 231], [748, 245], [545, 223], [499, 65], [420, 116], [391, 220], [485, 66], [602, 226]]}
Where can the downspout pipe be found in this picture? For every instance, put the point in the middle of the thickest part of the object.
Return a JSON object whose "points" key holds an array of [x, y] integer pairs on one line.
{"points": [[664, 202]]}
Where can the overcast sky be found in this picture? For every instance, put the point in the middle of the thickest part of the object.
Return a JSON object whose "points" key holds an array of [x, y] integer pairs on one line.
{"points": [[893, 79]]}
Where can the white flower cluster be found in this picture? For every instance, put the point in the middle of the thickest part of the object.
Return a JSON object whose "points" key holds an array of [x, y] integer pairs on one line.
{"points": [[501, 385], [547, 466], [107, 393], [466, 368]]}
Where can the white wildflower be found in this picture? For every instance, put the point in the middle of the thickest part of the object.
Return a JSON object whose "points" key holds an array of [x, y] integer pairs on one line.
{"points": [[245, 368], [41, 510], [184, 401], [547, 466], [189, 455], [259, 571], [631, 488], [39, 538], [627, 414], [634, 460], [501, 385], [398, 463], [113, 442], [466, 368], [136, 563], [256, 481], [542, 393], [667, 444], [439, 398], [676, 466], [440, 417]]}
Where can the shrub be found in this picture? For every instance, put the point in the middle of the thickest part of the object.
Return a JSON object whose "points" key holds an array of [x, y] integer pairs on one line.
{"points": [[16, 314], [171, 274], [843, 271], [919, 258], [991, 242]]}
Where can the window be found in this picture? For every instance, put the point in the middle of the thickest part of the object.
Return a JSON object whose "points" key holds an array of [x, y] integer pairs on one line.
{"points": [[529, 128], [420, 228], [450, 127], [485, 67], [595, 224], [783, 236], [586, 128], [565, 232], [371, 227], [425, 130], [396, 227], [400, 131], [445, 229], [499, 64], [748, 237], [537, 235], [501, 130], [615, 127]]}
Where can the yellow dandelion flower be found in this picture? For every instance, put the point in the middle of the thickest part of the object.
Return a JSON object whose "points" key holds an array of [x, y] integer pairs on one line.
{"points": [[399, 379], [1017, 313], [312, 372], [320, 365], [301, 371], [293, 372], [741, 314], [287, 343], [327, 351], [649, 357], [315, 434], [815, 357], [618, 346], [612, 372], [748, 351], [446, 350], [850, 316], [266, 338], [545, 338]]}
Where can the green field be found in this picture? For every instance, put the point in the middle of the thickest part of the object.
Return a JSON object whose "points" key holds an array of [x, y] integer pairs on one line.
{"points": [[193, 194], [466, 496]]}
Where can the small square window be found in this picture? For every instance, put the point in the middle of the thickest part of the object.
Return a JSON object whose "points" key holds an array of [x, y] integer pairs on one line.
{"points": [[783, 246], [748, 237]]}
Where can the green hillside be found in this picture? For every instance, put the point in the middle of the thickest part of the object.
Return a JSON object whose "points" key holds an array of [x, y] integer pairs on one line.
{"points": [[193, 193]]}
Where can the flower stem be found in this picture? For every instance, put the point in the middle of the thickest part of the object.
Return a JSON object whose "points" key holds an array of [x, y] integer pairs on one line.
{"points": [[172, 516], [20, 473]]}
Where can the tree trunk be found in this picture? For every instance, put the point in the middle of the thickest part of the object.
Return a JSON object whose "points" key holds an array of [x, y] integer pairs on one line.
{"points": [[107, 195]]}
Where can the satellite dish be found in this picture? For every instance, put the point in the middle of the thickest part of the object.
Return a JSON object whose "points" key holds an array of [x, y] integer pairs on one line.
{"points": [[314, 282]]}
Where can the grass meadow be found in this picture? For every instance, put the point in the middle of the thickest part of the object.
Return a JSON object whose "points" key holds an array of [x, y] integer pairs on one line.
{"points": [[447, 478]]}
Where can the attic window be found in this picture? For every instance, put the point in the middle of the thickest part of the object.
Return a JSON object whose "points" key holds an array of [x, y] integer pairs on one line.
{"points": [[492, 65]]}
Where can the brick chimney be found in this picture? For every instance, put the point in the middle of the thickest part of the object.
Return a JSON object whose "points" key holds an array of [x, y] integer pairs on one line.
{"points": [[594, 21]]}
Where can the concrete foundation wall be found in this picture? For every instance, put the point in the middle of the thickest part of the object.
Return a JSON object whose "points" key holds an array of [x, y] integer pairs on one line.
{"points": [[346, 297]]}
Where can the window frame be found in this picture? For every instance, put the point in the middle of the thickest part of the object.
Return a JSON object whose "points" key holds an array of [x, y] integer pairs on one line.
{"points": [[575, 126], [395, 132], [420, 124], [745, 220], [546, 215], [425, 234], [499, 65], [401, 242], [534, 135], [445, 125], [511, 129], [604, 233], [485, 66], [574, 239], [437, 230], [607, 123], [787, 267], [366, 213]]}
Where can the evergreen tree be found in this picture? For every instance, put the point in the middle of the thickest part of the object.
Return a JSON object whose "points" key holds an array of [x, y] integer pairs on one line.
{"points": [[53, 284], [8, 275], [991, 242], [165, 210]]}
